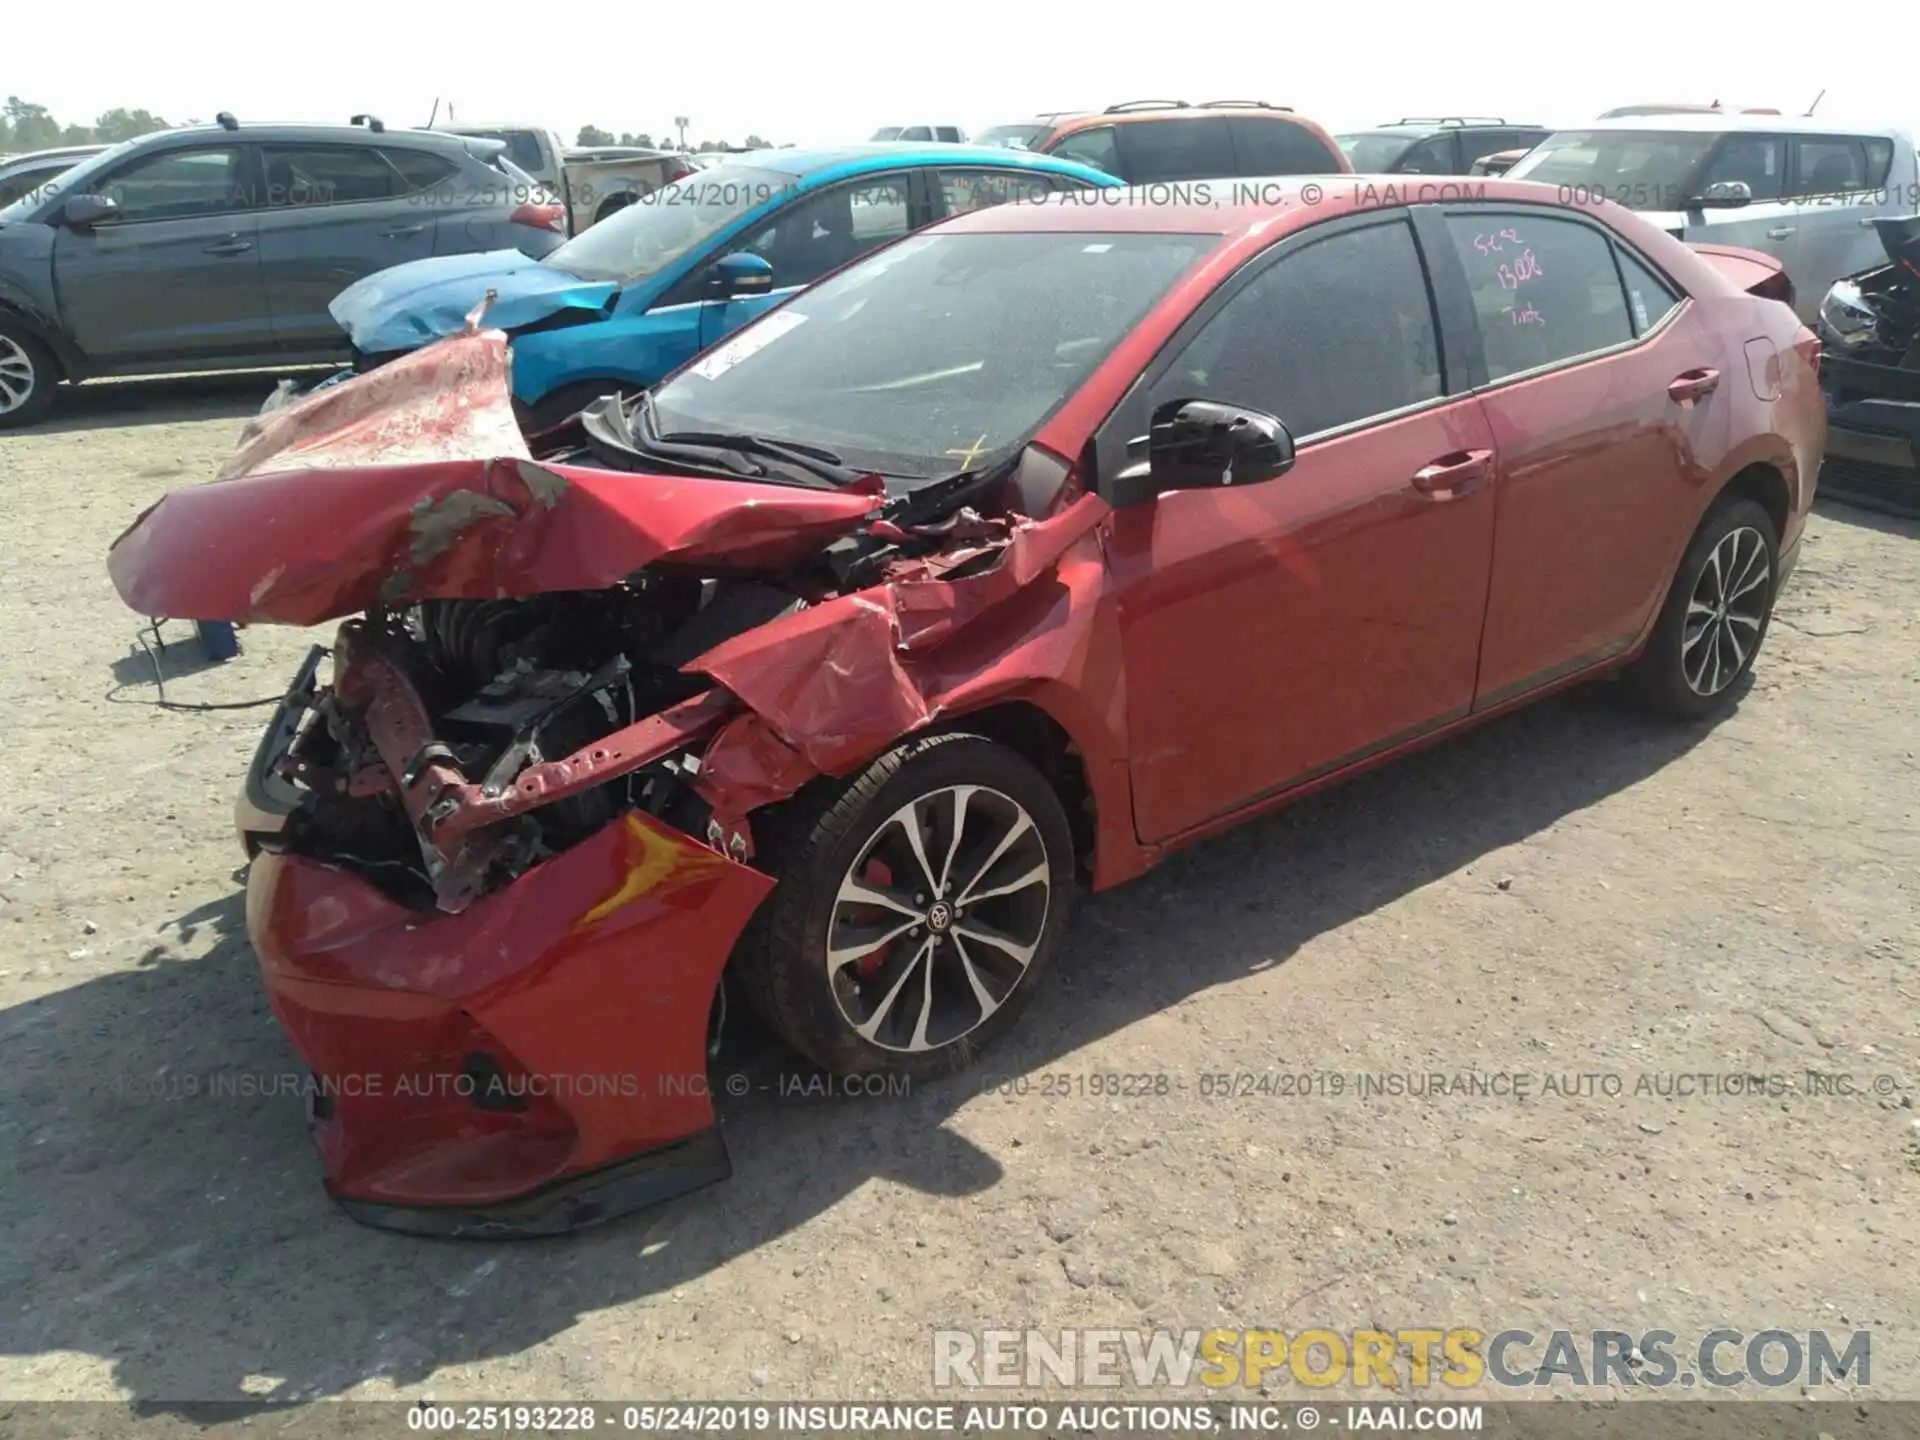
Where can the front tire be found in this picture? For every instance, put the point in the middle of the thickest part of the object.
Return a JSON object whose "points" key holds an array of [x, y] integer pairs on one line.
{"points": [[916, 911], [1715, 616], [28, 375]]}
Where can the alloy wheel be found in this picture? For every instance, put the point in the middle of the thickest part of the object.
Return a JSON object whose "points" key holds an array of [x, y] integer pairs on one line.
{"points": [[938, 917], [1726, 612], [16, 375]]}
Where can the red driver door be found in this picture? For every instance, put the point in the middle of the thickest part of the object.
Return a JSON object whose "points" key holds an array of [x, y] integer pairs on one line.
{"points": [[1280, 630]]}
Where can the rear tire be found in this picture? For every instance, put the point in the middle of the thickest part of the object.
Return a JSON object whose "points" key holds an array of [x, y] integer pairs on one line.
{"points": [[28, 376], [921, 979], [1715, 616]]}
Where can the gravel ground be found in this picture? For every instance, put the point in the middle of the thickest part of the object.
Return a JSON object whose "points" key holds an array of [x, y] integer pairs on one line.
{"points": [[1570, 892]]}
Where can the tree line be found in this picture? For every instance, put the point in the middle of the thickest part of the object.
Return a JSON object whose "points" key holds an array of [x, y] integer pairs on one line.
{"points": [[591, 136], [25, 126]]}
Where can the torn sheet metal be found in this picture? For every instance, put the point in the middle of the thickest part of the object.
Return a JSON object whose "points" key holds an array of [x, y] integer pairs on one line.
{"points": [[347, 500], [836, 681]]}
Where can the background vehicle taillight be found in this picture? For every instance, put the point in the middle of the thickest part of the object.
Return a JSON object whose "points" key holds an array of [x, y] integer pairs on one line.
{"points": [[546, 216], [678, 169]]}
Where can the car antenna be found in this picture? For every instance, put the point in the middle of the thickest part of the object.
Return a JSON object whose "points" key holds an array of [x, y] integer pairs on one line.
{"points": [[433, 114], [1816, 100]]}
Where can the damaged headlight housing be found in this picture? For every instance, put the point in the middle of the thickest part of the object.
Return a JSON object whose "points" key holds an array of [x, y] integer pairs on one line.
{"points": [[1846, 317]]}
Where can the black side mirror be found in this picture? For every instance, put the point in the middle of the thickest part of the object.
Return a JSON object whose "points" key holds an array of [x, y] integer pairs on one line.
{"points": [[739, 275], [1205, 445], [87, 209]]}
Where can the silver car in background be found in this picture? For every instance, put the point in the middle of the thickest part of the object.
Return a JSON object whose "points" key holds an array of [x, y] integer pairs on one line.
{"points": [[1805, 191]]}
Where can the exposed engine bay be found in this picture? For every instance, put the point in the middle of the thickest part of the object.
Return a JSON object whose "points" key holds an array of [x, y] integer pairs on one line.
{"points": [[534, 644], [509, 685]]}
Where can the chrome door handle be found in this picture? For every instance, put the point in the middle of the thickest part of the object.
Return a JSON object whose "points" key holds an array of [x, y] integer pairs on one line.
{"points": [[1780, 232], [400, 232]]}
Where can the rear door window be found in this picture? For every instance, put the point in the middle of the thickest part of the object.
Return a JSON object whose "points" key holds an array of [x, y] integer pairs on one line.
{"points": [[1093, 147], [1879, 160], [1827, 165], [1171, 150], [1758, 161], [1544, 289], [963, 190], [1434, 155], [300, 175], [1265, 145]]}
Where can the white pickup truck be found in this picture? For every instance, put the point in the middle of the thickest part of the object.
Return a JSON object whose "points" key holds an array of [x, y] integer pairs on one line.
{"points": [[591, 183]]}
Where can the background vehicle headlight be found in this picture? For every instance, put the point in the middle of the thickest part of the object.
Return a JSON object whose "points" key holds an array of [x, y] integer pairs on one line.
{"points": [[1847, 316]]}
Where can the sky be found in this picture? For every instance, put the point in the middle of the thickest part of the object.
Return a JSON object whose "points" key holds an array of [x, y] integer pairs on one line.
{"points": [[835, 73]]}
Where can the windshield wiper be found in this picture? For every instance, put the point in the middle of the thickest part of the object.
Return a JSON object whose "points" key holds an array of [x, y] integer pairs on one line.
{"points": [[822, 468], [810, 458]]}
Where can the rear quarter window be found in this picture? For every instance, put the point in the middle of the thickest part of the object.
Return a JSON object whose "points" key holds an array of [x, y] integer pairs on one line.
{"points": [[1271, 146], [1170, 150], [420, 169]]}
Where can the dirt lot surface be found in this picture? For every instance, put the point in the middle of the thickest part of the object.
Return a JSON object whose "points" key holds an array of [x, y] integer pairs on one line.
{"points": [[1572, 892]]}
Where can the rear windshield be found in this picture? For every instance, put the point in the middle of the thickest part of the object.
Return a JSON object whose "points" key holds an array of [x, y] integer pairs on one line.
{"points": [[1640, 169], [1372, 153]]}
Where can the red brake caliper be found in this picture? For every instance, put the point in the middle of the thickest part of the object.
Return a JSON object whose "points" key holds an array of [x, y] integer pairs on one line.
{"points": [[878, 873]]}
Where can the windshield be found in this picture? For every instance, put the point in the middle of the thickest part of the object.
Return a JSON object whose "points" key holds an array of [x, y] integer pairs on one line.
{"points": [[938, 354], [1372, 153], [660, 227], [1640, 169], [69, 182], [888, 132], [1014, 137]]}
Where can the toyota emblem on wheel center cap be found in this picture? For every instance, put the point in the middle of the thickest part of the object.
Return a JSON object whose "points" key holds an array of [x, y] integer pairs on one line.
{"points": [[940, 917]]}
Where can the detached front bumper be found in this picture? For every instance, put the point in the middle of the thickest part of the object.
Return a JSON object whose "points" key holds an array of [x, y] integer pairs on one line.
{"points": [[1873, 434], [531, 1065], [1873, 455]]}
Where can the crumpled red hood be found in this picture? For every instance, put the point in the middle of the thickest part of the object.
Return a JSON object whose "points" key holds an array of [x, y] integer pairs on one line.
{"points": [[412, 483]]}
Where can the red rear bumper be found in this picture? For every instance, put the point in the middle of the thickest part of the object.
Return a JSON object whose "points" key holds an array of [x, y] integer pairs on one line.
{"points": [[531, 1065]]}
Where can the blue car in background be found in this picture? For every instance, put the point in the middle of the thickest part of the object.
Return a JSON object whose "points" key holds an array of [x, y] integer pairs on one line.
{"points": [[622, 304]]}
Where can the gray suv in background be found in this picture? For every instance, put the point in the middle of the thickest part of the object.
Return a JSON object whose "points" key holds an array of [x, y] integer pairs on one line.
{"points": [[220, 247]]}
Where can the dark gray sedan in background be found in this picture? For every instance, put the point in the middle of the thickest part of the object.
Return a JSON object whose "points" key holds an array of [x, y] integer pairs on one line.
{"points": [[220, 247]]}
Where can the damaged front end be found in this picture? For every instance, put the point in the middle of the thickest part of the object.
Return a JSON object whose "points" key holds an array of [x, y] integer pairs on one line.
{"points": [[1870, 372], [501, 848]]}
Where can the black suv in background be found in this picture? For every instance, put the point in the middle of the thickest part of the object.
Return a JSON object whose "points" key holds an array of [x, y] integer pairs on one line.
{"points": [[1436, 145], [220, 247]]}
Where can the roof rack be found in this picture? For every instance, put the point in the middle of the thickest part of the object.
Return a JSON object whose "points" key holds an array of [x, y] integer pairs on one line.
{"points": [[372, 122], [226, 121], [1241, 105], [1128, 106], [1450, 120]]}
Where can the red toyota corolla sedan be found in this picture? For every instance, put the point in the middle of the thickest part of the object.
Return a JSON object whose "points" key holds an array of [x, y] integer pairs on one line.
{"points": [[1011, 558]]}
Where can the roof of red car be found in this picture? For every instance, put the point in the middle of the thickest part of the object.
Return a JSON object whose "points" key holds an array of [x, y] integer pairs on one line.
{"points": [[1233, 207]]}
